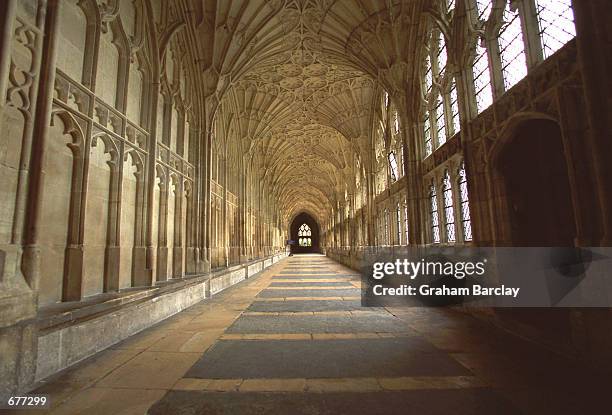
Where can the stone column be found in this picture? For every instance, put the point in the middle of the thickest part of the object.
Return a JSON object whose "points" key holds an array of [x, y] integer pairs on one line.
{"points": [[243, 217], [206, 164], [193, 217], [224, 240], [151, 178], [20, 258]]}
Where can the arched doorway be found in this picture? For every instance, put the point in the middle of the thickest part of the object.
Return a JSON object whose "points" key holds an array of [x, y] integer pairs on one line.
{"points": [[305, 232], [535, 187], [535, 180]]}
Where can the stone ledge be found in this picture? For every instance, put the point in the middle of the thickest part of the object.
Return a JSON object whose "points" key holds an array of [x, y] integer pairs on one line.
{"points": [[77, 331]]}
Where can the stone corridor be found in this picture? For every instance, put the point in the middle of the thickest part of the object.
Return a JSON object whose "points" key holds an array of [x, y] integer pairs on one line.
{"points": [[295, 340]]}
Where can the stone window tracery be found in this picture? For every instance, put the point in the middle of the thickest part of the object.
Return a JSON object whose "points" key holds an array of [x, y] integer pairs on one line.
{"points": [[556, 21], [449, 211], [393, 167], [435, 224], [304, 235], [503, 55], [441, 119], [512, 47], [482, 78], [466, 223]]}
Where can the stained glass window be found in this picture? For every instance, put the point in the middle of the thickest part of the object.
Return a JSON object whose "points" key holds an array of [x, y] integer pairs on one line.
{"points": [[449, 211], [556, 20], [435, 224], [304, 235], [465, 204]]}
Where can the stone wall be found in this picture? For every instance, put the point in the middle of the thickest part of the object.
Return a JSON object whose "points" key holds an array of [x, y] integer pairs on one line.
{"points": [[67, 338], [106, 166]]}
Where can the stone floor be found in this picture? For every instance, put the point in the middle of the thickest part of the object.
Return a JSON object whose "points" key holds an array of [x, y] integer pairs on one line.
{"points": [[295, 340]]}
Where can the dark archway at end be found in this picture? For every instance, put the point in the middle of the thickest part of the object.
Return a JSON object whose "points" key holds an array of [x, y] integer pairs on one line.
{"points": [[305, 232]]}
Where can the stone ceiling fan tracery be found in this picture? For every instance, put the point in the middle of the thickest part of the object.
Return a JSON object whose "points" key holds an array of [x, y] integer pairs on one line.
{"points": [[298, 79]]}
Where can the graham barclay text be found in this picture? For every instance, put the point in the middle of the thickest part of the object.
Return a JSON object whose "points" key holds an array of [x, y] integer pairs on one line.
{"points": [[426, 290]]}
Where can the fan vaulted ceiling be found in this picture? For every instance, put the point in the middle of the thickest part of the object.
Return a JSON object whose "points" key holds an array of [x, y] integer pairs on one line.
{"points": [[294, 85]]}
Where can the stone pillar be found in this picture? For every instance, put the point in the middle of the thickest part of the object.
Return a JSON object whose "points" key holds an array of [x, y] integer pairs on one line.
{"points": [[224, 220], [162, 248], [206, 165], [19, 250], [243, 218], [151, 178], [370, 217], [177, 248], [192, 212]]}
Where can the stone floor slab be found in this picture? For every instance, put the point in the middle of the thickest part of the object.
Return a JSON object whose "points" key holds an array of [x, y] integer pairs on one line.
{"points": [[336, 358], [312, 284], [151, 370], [437, 402], [311, 277], [310, 305], [319, 324], [352, 292], [104, 401]]}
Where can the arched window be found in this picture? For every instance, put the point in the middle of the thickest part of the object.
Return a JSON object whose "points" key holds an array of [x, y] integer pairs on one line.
{"points": [[440, 93], [553, 21], [482, 75], [435, 224], [449, 211], [512, 47], [304, 235], [556, 21], [466, 223], [482, 78]]}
